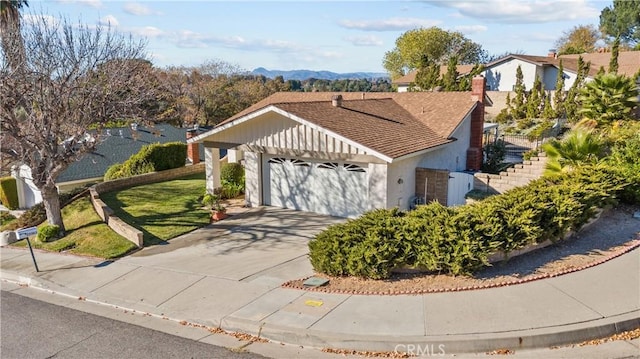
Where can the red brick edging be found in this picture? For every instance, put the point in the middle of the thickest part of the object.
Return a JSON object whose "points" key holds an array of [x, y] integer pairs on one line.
{"points": [[629, 246]]}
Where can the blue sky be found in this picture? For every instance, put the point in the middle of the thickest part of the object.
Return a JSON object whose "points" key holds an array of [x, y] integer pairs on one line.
{"points": [[321, 35]]}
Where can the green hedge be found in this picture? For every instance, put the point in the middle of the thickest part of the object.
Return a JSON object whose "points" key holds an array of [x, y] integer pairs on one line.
{"points": [[459, 240], [150, 158], [9, 192]]}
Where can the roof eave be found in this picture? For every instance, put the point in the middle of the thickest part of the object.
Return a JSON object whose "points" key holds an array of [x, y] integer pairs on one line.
{"points": [[274, 108]]}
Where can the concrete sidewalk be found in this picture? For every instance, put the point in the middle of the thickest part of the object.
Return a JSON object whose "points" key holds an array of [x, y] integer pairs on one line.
{"points": [[229, 276]]}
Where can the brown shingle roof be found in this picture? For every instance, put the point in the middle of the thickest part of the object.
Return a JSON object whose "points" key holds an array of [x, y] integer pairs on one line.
{"points": [[628, 61], [393, 124]]}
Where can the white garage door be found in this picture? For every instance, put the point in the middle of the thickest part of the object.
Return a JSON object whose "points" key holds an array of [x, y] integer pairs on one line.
{"points": [[333, 188]]}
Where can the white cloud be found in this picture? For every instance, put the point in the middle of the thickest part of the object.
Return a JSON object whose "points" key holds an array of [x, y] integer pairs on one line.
{"points": [[523, 12], [470, 29], [368, 40], [138, 9], [391, 24], [147, 31], [91, 3], [109, 20]]}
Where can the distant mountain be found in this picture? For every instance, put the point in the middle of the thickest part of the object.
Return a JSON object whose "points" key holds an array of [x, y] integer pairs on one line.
{"points": [[323, 75]]}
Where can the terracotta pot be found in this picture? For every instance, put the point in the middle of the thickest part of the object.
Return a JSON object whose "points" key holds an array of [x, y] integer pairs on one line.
{"points": [[218, 215]]}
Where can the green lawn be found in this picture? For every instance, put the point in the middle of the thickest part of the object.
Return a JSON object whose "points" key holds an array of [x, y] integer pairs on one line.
{"points": [[86, 234], [161, 210]]}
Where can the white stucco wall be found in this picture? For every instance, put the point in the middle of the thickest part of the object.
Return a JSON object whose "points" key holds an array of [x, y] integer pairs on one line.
{"points": [[452, 157], [253, 184], [401, 182], [377, 185], [502, 77]]}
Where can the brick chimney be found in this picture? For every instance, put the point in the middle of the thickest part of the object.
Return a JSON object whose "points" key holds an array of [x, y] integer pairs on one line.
{"points": [[474, 153], [193, 149], [336, 100]]}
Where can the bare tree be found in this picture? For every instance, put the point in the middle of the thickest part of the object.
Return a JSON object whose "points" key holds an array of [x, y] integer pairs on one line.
{"points": [[74, 78]]}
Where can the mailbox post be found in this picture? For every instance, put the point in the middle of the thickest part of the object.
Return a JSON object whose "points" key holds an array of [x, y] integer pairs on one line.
{"points": [[23, 233]]}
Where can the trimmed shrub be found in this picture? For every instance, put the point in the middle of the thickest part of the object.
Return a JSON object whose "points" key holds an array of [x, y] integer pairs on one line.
{"points": [[363, 247], [113, 172], [459, 240], [150, 158], [231, 190], [48, 233], [232, 172], [9, 192]]}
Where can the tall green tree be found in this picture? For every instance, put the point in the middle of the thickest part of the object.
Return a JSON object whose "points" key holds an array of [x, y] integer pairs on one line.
{"points": [[535, 100], [464, 83], [548, 112], [436, 44], [428, 75], [450, 78], [572, 103], [558, 96], [622, 19], [613, 61], [579, 39], [518, 103], [609, 98]]}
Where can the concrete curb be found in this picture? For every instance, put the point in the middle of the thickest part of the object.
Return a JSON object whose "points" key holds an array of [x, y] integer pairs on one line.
{"points": [[457, 343]]}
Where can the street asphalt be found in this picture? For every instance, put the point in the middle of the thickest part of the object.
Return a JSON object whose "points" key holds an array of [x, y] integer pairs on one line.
{"points": [[229, 275]]}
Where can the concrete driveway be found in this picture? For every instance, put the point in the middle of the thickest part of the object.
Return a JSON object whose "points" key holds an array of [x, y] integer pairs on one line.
{"points": [[262, 242]]}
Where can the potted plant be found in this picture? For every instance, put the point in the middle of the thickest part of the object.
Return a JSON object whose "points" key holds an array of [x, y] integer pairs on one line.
{"points": [[218, 211]]}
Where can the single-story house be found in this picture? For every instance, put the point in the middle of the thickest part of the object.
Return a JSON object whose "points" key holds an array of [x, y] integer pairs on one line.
{"points": [[115, 145], [344, 154], [501, 74]]}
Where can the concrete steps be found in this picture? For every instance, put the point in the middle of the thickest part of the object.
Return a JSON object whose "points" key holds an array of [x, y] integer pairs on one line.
{"points": [[518, 175]]}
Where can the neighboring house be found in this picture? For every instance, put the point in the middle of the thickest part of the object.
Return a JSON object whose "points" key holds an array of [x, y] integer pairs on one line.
{"points": [[116, 145], [501, 74], [344, 154], [405, 82]]}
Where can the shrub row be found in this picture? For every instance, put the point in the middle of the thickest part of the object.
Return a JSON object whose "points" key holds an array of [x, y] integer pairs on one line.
{"points": [[9, 192], [150, 158], [459, 240]]}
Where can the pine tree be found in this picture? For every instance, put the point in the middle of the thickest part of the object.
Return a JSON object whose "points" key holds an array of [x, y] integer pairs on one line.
{"points": [[558, 96], [519, 107], [571, 102], [508, 103], [548, 112], [613, 61], [534, 99], [427, 76], [450, 80], [465, 82]]}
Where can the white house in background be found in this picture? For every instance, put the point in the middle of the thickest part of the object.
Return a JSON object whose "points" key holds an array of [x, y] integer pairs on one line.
{"points": [[344, 154], [501, 74]]}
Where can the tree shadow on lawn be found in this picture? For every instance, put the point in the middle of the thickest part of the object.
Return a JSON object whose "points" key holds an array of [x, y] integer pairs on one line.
{"points": [[614, 228]]}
